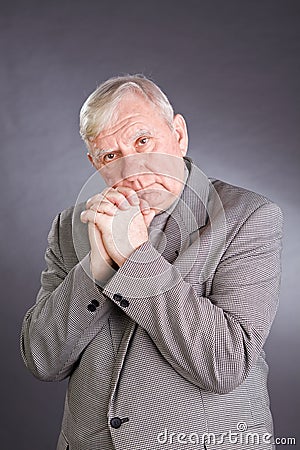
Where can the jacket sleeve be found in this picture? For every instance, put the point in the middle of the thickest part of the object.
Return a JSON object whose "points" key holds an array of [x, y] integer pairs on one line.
{"points": [[61, 324], [214, 340]]}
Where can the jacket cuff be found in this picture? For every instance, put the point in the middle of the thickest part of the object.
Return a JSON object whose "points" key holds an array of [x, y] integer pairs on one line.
{"points": [[144, 274]]}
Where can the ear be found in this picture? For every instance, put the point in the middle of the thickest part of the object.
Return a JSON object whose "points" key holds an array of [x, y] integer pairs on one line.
{"points": [[90, 158], [181, 133]]}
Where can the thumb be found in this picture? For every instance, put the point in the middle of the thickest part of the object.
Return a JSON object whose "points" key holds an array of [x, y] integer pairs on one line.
{"points": [[146, 211], [148, 216]]}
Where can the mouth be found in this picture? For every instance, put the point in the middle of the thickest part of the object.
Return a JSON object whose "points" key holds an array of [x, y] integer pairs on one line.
{"points": [[150, 189], [157, 196]]}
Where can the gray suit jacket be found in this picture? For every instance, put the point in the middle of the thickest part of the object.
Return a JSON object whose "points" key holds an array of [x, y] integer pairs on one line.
{"points": [[183, 327]]}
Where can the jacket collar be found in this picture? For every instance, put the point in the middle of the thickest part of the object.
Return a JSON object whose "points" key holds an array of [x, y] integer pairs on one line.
{"points": [[191, 209]]}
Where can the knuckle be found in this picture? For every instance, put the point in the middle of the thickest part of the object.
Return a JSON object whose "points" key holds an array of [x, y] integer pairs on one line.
{"points": [[110, 193], [124, 190], [132, 192]]}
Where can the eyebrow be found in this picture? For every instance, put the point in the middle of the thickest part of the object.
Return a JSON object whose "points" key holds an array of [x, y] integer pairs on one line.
{"points": [[100, 151], [140, 133]]}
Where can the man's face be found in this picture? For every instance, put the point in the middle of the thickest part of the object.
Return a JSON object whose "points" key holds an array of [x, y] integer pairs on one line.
{"points": [[142, 152]]}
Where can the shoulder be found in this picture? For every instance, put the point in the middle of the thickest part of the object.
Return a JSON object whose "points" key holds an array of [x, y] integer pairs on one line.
{"points": [[65, 218], [245, 213], [240, 203], [225, 202], [69, 235]]}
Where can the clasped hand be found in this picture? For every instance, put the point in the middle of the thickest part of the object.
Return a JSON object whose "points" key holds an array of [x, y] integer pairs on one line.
{"points": [[118, 222]]}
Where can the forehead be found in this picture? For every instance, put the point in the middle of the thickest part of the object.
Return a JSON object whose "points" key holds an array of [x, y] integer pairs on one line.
{"points": [[133, 112], [134, 102]]}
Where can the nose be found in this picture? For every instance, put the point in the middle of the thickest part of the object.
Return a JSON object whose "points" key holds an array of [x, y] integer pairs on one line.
{"points": [[132, 167]]}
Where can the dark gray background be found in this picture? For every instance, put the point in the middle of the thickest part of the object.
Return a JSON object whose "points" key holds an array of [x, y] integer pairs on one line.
{"points": [[231, 67]]}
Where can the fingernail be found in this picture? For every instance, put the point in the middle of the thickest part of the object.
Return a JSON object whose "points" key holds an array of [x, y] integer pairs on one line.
{"points": [[124, 205], [136, 200]]}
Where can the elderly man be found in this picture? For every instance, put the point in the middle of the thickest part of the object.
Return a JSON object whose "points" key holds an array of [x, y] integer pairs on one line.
{"points": [[160, 321]]}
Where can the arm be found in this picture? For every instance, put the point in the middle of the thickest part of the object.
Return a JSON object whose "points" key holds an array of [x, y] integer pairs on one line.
{"points": [[59, 326], [211, 341]]}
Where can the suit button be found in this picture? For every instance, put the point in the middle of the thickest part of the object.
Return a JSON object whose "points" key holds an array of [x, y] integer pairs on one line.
{"points": [[91, 307], [117, 297], [124, 303], [95, 302], [116, 422]]}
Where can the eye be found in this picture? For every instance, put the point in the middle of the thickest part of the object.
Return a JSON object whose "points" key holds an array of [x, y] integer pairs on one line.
{"points": [[108, 157], [143, 141]]}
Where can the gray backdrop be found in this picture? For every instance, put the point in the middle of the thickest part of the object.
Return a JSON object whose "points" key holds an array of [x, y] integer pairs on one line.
{"points": [[231, 67]]}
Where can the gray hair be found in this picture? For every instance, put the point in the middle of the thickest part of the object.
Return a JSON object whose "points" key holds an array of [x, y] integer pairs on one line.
{"points": [[100, 107]]}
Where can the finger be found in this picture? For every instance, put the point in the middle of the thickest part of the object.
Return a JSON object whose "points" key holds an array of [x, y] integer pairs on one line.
{"points": [[109, 195], [90, 216], [96, 198], [117, 198], [129, 194], [104, 207], [144, 206], [149, 217], [148, 213]]}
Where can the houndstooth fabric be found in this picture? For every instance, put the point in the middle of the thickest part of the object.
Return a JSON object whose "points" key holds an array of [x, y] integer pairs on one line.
{"points": [[177, 356]]}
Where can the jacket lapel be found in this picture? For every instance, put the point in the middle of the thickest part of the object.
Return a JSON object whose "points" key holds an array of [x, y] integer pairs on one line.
{"points": [[130, 327], [189, 214]]}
